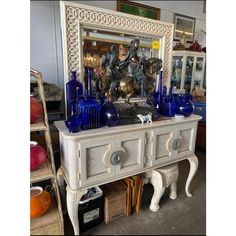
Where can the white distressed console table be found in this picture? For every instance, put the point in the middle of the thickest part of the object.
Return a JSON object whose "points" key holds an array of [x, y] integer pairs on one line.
{"points": [[98, 156]]}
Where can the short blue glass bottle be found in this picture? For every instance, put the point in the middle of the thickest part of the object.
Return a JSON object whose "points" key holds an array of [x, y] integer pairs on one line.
{"points": [[109, 114], [185, 106]]}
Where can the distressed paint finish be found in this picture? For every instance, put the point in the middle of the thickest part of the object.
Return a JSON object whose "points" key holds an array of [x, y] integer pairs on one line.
{"points": [[86, 155]]}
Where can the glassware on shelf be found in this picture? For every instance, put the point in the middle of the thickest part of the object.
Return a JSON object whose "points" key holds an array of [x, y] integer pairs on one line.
{"points": [[36, 109], [74, 123], [176, 71], [109, 114], [38, 155], [168, 106], [89, 108], [85, 112], [184, 104], [198, 73], [188, 73], [89, 112]]}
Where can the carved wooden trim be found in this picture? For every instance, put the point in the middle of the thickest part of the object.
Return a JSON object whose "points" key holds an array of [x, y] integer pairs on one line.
{"points": [[76, 14]]}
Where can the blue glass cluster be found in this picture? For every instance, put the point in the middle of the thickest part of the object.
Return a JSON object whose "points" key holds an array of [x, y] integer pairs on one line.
{"points": [[171, 104], [83, 112]]}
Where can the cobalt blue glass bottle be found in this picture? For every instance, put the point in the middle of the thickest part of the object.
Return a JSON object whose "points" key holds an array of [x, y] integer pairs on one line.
{"points": [[89, 108], [109, 115], [89, 111], [184, 105], [168, 107], [74, 90]]}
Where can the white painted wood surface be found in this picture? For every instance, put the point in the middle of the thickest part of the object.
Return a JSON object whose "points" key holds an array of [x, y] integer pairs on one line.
{"points": [[161, 179], [86, 155]]}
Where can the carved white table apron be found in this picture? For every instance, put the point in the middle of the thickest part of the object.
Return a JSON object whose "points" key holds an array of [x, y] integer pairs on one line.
{"points": [[98, 156]]}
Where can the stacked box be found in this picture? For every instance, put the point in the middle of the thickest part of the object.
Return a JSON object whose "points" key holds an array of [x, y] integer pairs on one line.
{"points": [[114, 201]]}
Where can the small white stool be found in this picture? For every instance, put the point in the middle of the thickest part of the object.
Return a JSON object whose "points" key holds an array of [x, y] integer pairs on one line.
{"points": [[162, 178]]}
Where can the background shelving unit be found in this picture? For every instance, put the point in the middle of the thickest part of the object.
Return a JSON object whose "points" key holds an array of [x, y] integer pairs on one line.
{"points": [[51, 223], [188, 69]]}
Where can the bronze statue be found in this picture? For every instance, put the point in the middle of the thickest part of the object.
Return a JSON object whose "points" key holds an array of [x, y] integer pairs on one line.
{"points": [[128, 85], [132, 65], [151, 67], [110, 62], [130, 76]]}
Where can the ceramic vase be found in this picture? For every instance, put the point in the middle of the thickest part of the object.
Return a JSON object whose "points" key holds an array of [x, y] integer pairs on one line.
{"points": [[36, 109], [40, 201], [38, 155]]}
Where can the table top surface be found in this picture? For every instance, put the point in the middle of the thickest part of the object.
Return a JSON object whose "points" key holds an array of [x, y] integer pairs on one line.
{"points": [[60, 125]]}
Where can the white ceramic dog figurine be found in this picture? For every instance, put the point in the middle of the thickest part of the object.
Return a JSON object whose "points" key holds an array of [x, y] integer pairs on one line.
{"points": [[147, 118]]}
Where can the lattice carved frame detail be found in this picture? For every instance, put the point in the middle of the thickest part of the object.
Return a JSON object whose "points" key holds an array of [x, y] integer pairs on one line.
{"points": [[76, 14]]}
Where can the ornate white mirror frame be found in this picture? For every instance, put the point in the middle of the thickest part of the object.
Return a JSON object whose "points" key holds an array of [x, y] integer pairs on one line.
{"points": [[75, 16]]}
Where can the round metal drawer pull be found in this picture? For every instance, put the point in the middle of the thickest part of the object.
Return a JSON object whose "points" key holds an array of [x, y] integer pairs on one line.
{"points": [[176, 144], [116, 157]]}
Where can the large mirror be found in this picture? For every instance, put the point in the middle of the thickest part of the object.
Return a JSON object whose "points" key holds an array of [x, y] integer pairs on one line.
{"points": [[90, 35]]}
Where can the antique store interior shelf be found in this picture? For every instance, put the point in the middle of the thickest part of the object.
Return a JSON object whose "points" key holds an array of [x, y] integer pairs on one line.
{"points": [[43, 173], [52, 221], [38, 126]]}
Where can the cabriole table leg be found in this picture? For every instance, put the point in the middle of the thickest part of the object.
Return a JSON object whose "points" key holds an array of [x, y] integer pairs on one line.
{"points": [[73, 198], [193, 160]]}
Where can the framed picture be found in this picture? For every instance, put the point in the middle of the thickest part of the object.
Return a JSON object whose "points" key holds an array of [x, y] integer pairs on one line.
{"points": [[138, 9], [184, 25]]}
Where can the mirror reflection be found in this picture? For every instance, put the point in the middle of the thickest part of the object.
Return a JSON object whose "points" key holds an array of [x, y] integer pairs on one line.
{"points": [[123, 65]]}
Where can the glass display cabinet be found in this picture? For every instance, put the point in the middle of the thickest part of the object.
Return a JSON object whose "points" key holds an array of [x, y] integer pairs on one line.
{"points": [[188, 70]]}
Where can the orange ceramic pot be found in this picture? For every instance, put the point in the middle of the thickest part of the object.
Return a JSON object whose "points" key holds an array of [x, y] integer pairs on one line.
{"points": [[40, 201]]}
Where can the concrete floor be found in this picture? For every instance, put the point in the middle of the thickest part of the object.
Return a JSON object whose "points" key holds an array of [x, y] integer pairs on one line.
{"points": [[182, 216]]}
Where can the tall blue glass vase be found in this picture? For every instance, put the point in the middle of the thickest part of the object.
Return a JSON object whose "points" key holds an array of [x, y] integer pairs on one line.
{"points": [[74, 90]]}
